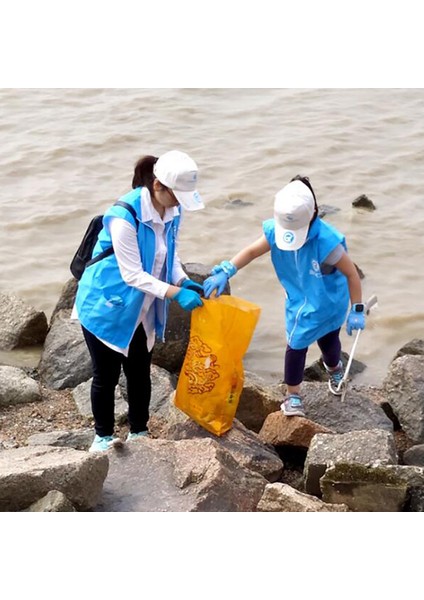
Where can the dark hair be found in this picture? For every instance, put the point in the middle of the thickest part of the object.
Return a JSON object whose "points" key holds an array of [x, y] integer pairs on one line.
{"points": [[143, 173], [305, 181]]}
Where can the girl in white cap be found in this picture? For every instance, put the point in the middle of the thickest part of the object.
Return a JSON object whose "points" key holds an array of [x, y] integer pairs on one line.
{"points": [[311, 262], [122, 299]]}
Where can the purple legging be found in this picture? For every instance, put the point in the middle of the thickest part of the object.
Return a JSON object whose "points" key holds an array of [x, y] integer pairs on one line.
{"points": [[294, 362]]}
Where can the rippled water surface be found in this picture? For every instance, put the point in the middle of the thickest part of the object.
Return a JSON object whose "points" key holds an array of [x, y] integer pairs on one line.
{"points": [[66, 154]]}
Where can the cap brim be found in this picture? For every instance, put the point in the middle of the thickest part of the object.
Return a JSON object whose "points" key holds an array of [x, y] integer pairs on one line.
{"points": [[189, 200], [290, 239]]}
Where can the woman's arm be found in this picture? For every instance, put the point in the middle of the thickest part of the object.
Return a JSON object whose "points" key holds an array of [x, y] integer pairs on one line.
{"points": [[249, 253]]}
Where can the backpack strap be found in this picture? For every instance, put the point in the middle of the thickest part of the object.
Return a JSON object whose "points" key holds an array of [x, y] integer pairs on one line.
{"points": [[130, 209], [110, 250]]}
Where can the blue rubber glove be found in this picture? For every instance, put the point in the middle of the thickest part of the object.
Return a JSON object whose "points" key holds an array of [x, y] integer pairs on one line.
{"points": [[215, 282], [355, 320], [227, 266], [189, 284], [188, 299]]}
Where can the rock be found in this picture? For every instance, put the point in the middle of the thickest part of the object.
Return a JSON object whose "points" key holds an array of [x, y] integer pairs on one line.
{"points": [[375, 447], [244, 446], [53, 501], [21, 325], [80, 440], [280, 430], [81, 395], [65, 360], [415, 346], [414, 456], [66, 299], [357, 412], [279, 497], [16, 387], [28, 474], [404, 389], [375, 488], [364, 488], [257, 401], [178, 476], [363, 201]]}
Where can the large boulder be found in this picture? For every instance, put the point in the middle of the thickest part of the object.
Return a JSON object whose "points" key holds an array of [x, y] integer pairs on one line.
{"points": [[244, 446], [375, 447], [28, 474], [197, 475], [65, 361], [20, 324], [404, 388]]}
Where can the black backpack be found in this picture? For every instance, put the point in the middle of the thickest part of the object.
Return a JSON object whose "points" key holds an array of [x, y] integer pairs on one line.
{"points": [[82, 258]]}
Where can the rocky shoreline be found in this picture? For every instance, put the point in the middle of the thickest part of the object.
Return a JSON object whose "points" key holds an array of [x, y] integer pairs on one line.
{"points": [[366, 454]]}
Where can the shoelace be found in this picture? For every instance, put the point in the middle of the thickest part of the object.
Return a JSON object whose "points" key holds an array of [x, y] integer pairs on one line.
{"points": [[336, 377], [295, 400]]}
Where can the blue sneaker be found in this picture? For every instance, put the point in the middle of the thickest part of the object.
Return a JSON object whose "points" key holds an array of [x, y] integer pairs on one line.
{"points": [[101, 444], [335, 378], [134, 436], [292, 406]]}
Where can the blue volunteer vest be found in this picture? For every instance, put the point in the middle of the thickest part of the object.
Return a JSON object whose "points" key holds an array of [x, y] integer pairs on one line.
{"points": [[106, 305], [316, 302]]}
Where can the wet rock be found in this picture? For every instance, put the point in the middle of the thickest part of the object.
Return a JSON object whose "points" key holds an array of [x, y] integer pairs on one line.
{"points": [[363, 201], [21, 325]]}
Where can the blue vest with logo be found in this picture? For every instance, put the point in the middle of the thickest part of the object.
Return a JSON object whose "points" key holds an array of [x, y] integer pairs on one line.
{"points": [[316, 299], [106, 305]]}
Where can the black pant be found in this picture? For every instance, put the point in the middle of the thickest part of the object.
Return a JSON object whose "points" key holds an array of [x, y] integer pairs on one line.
{"points": [[106, 371]]}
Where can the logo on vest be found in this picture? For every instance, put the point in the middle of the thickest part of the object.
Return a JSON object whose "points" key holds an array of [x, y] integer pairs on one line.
{"points": [[315, 271]]}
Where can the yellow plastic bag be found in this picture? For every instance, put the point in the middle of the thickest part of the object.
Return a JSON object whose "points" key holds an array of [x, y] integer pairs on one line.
{"points": [[212, 375]]}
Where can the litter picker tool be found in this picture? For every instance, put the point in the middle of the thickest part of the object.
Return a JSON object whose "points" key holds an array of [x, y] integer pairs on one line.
{"points": [[372, 301]]}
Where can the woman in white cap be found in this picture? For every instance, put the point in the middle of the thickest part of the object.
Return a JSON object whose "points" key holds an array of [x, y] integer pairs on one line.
{"points": [[311, 262], [122, 300]]}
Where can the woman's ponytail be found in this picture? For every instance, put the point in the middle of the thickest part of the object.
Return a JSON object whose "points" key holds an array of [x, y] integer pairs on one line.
{"points": [[143, 173]]}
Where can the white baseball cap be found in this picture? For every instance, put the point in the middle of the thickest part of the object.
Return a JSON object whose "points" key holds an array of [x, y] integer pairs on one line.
{"points": [[178, 172], [293, 210]]}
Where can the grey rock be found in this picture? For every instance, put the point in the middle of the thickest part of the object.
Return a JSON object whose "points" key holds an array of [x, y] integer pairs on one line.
{"points": [[414, 456], [29, 473], [280, 497], [16, 387], [257, 401], [375, 447], [363, 201], [404, 388], [356, 413], [65, 360], [244, 446], [79, 439], [66, 299], [21, 325], [415, 346], [53, 501], [151, 475]]}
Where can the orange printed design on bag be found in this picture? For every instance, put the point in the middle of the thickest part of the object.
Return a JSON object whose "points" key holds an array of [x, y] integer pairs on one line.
{"points": [[200, 367], [212, 376]]}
